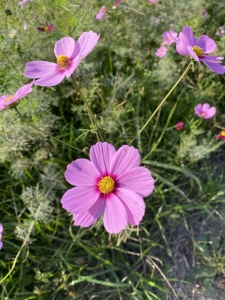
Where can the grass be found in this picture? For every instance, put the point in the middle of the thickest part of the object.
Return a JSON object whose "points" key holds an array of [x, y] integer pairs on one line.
{"points": [[178, 250]]}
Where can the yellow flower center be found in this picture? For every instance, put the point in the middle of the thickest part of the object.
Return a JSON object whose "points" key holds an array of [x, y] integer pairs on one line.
{"points": [[198, 51], [8, 98], [63, 62], [223, 133], [106, 185]]}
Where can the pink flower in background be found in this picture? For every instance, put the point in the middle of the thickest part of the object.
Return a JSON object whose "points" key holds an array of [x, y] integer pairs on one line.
{"points": [[101, 13], [23, 2], [198, 49], [220, 31], [161, 51], [205, 111], [153, 1], [48, 27], [221, 136], [112, 183], [179, 125], [69, 55], [1, 230], [8, 100], [169, 37], [116, 4]]}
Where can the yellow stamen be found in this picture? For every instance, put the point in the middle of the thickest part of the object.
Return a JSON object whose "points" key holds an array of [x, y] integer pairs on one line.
{"points": [[198, 51], [222, 133], [106, 185], [63, 62], [8, 98]]}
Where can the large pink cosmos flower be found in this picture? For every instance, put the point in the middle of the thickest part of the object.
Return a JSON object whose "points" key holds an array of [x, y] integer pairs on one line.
{"points": [[69, 55], [1, 230], [198, 49], [8, 100], [112, 184], [205, 111]]}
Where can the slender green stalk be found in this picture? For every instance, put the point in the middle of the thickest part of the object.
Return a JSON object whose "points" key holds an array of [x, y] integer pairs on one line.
{"points": [[90, 113], [9, 61], [43, 133], [162, 102]]}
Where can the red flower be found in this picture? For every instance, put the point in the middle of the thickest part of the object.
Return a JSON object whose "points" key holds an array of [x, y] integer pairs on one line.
{"points": [[179, 125], [49, 27]]}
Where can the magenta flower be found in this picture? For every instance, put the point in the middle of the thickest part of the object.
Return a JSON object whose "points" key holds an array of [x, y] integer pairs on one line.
{"points": [[169, 37], [101, 13], [1, 230], [161, 51], [198, 49], [112, 183], [153, 1], [180, 125], [205, 111], [8, 100], [48, 27], [116, 4], [69, 55], [221, 136]]}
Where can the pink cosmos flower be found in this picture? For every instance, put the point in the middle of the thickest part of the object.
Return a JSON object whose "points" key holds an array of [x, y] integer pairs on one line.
{"points": [[169, 37], [1, 230], [48, 27], [221, 136], [205, 111], [116, 4], [101, 13], [179, 125], [69, 55], [153, 1], [198, 49], [112, 183], [220, 31], [23, 2], [8, 100], [161, 51]]}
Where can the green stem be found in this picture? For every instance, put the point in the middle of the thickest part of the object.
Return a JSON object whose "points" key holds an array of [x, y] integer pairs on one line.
{"points": [[43, 133], [90, 113], [9, 61], [162, 102]]}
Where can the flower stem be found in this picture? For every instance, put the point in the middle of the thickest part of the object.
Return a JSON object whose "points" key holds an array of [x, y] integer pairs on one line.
{"points": [[43, 133], [90, 113], [162, 102]]}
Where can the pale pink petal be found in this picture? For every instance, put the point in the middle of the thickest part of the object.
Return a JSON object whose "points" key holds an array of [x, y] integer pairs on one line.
{"points": [[1, 228], [23, 91], [89, 217], [79, 199], [213, 58], [214, 66], [101, 155], [74, 64], [65, 46], [87, 41], [193, 54], [37, 69], [52, 79], [138, 179], [125, 158], [207, 44], [210, 113], [187, 36], [115, 214], [205, 107], [1, 245], [182, 48], [134, 204], [198, 109], [81, 172]]}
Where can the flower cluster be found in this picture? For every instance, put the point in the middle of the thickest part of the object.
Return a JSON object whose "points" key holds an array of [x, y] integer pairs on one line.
{"points": [[168, 39], [1, 230]]}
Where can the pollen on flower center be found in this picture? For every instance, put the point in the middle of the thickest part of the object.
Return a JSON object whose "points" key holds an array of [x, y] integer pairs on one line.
{"points": [[106, 185], [8, 98], [223, 133], [198, 51], [63, 62]]}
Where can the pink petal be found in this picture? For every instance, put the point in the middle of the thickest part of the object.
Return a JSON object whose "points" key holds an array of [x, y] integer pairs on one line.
{"points": [[134, 204], [207, 44], [198, 109], [65, 46], [1, 245], [79, 199], [37, 69], [210, 113], [1, 228], [188, 37], [214, 66], [89, 217], [205, 107], [52, 79], [125, 158], [81, 172], [87, 41], [23, 91], [138, 180], [101, 155], [182, 48], [74, 64], [193, 54], [115, 214]]}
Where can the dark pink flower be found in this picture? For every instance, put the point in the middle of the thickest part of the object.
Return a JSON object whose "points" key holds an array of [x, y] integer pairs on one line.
{"points": [[111, 184], [1, 230], [221, 136], [8, 100], [116, 4], [48, 27], [153, 1], [161, 51], [179, 125], [101, 13], [169, 37], [205, 111], [198, 49], [69, 55]]}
